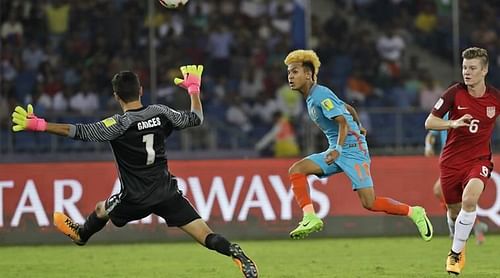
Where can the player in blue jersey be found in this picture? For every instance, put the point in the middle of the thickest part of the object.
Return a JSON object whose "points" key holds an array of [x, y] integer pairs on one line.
{"points": [[433, 139], [347, 152]]}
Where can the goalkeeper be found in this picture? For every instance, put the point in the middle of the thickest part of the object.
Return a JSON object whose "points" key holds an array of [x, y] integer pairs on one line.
{"points": [[137, 138]]}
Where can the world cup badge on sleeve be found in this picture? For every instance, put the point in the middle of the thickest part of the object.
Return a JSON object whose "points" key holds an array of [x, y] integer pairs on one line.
{"points": [[490, 111]]}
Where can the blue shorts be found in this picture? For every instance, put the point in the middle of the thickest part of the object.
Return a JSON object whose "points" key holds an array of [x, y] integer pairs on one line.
{"points": [[354, 162]]}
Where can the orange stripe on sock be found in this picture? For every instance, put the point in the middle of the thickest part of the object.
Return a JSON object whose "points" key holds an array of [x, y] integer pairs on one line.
{"points": [[390, 206], [300, 189]]}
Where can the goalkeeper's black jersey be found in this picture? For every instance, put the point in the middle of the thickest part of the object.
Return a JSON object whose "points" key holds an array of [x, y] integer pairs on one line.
{"points": [[137, 139]]}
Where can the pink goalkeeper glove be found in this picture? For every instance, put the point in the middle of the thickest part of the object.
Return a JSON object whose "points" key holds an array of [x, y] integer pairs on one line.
{"points": [[192, 78], [26, 120]]}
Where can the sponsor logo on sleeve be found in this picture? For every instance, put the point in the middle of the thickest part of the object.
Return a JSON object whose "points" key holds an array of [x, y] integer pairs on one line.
{"points": [[438, 104], [109, 122], [327, 104]]}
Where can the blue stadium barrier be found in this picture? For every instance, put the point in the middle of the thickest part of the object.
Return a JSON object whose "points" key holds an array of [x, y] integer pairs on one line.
{"points": [[413, 128], [383, 131]]}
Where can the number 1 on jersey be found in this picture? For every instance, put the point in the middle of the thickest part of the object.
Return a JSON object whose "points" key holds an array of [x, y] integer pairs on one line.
{"points": [[149, 140]]}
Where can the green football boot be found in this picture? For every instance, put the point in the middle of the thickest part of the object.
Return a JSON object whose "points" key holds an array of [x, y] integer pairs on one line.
{"points": [[310, 223], [423, 223]]}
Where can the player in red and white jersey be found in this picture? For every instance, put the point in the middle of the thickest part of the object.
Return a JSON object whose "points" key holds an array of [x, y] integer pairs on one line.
{"points": [[465, 162]]}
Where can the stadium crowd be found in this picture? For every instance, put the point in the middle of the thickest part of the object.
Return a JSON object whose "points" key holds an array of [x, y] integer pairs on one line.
{"points": [[60, 55], [428, 23]]}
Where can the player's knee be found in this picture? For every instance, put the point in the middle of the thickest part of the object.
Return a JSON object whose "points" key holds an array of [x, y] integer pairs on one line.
{"points": [[469, 204], [294, 169], [368, 206], [100, 210], [367, 203], [453, 213]]}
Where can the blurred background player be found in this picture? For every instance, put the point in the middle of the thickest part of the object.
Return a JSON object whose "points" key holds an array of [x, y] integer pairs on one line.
{"points": [[137, 138], [465, 163], [347, 152], [436, 140], [282, 135]]}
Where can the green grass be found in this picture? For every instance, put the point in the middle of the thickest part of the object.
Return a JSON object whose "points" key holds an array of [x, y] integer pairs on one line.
{"points": [[358, 257]]}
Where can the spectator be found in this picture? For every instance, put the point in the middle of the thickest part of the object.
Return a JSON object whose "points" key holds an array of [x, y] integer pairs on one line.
{"points": [[358, 88], [33, 56], [251, 83], [485, 36], [289, 102], [8, 70], [264, 109], [281, 20], [57, 20], [219, 46], [85, 101], [402, 97], [25, 83], [60, 101], [283, 136], [237, 116], [430, 93], [253, 9], [426, 20], [390, 46], [12, 29]]}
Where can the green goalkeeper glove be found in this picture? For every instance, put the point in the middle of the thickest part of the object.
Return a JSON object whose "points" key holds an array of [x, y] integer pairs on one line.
{"points": [[26, 120]]}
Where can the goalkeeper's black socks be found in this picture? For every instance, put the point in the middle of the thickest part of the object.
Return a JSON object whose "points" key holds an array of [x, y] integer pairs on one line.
{"points": [[92, 225], [218, 243]]}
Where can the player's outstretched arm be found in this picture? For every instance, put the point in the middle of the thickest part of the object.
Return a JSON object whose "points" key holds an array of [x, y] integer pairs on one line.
{"points": [[26, 120], [192, 83], [106, 130], [436, 123]]}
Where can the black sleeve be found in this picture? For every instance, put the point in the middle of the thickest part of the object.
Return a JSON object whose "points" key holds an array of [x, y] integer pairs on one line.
{"points": [[105, 130], [179, 119]]}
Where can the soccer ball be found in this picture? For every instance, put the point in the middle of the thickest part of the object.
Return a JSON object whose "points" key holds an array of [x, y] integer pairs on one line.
{"points": [[172, 4]]}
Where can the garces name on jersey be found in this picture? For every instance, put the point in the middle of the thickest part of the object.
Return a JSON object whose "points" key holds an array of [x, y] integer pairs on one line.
{"points": [[149, 123]]}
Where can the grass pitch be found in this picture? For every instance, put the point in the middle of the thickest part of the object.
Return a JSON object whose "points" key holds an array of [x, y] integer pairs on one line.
{"points": [[355, 257]]}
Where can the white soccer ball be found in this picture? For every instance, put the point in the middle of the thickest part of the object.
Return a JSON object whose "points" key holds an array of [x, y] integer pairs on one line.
{"points": [[172, 4]]}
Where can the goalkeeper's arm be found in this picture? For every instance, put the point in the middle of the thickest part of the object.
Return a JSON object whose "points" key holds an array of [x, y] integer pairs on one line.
{"points": [[106, 130], [26, 120], [60, 129], [192, 83]]}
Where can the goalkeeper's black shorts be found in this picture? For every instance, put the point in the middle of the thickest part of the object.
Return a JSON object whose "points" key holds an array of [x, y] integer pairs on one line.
{"points": [[177, 210]]}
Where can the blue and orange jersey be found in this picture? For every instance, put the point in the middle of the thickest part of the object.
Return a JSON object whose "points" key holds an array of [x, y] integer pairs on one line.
{"points": [[323, 105]]}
